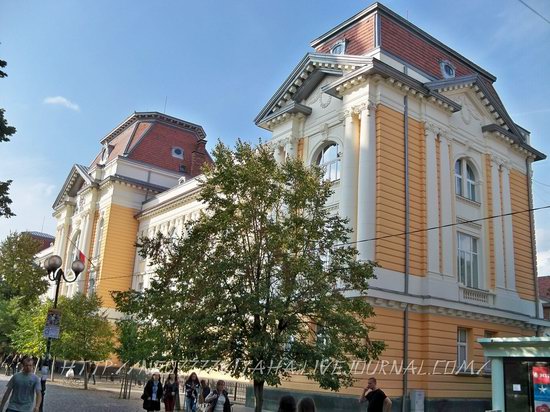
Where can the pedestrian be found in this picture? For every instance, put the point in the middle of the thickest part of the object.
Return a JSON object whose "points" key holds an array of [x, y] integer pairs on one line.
{"points": [[192, 391], [287, 403], [170, 391], [378, 401], [205, 391], [25, 390], [91, 371], [306, 405], [152, 392], [218, 399], [14, 362]]}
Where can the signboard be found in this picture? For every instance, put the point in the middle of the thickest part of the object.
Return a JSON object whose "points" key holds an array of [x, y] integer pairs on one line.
{"points": [[53, 321], [541, 388]]}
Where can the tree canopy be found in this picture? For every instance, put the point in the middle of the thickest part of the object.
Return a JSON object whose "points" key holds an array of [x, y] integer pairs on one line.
{"points": [[5, 132], [264, 279], [20, 276]]}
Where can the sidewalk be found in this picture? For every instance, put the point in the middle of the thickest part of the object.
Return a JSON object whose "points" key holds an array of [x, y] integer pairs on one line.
{"points": [[114, 387]]}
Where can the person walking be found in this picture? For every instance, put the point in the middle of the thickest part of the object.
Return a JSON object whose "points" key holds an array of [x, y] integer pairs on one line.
{"points": [[205, 391], [152, 393], [91, 371], [306, 405], [25, 390], [219, 399], [378, 401], [192, 391], [170, 391]]}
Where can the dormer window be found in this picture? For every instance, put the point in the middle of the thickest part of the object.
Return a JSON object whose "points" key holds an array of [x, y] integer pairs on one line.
{"points": [[447, 69], [338, 47], [177, 152]]}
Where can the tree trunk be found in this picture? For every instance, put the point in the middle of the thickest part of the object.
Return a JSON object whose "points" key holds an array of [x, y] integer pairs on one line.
{"points": [[178, 401], [130, 388], [85, 374], [259, 394]]}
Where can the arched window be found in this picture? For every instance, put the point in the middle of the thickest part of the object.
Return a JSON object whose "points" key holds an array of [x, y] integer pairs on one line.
{"points": [[75, 252], [465, 180], [98, 238], [329, 160]]}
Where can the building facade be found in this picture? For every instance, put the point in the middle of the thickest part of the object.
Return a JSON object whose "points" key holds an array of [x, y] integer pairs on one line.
{"points": [[433, 174], [96, 209], [435, 178]]}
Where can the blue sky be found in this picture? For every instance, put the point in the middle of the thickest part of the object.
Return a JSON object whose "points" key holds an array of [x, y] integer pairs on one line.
{"points": [[78, 68]]}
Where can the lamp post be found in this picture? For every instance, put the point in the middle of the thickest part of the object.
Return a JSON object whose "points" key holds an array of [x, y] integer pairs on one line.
{"points": [[55, 274]]}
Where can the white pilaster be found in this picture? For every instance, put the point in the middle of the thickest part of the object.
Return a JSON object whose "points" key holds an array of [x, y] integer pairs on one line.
{"points": [[498, 241], [349, 173], [366, 183], [432, 201], [446, 199], [508, 229]]}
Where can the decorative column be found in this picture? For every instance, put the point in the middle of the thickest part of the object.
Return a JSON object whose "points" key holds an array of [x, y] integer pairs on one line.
{"points": [[498, 241], [446, 199], [508, 228], [366, 182], [349, 173], [432, 201]]}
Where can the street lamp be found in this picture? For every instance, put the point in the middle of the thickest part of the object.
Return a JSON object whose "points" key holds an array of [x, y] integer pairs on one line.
{"points": [[55, 274]]}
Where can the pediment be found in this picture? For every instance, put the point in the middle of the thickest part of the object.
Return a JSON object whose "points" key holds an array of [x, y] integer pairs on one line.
{"points": [[305, 80], [78, 178]]}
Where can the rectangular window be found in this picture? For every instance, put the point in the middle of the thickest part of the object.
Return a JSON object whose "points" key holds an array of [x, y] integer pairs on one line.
{"points": [[467, 260], [461, 347]]}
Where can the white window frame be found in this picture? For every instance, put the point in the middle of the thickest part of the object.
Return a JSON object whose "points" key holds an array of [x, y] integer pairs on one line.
{"points": [[461, 346], [178, 156], [465, 186], [332, 165], [341, 43], [466, 255], [99, 237]]}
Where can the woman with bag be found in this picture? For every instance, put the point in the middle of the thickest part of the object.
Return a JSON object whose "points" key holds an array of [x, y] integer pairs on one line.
{"points": [[152, 393], [218, 399], [192, 391]]}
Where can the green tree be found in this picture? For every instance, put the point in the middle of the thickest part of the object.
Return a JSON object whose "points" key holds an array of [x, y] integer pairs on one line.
{"points": [[22, 281], [86, 333], [20, 276], [27, 336], [263, 277], [5, 133], [135, 345], [9, 315]]}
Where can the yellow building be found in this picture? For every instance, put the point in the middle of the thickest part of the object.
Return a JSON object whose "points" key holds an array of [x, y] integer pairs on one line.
{"points": [[97, 207], [435, 178], [433, 174]]}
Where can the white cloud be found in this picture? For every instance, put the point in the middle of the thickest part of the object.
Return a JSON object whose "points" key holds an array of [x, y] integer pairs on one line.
{"points": [[62, 101]]}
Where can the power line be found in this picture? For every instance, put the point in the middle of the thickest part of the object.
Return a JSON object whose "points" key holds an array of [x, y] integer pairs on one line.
{"points": [[534, 11], [447, 225], [392, 235]]}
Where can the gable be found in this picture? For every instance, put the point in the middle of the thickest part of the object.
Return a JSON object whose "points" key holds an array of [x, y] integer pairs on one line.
{"points": [[76, 180]]}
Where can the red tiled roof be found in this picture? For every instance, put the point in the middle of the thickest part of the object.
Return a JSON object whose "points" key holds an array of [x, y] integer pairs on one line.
{"points": [[544, 286]]}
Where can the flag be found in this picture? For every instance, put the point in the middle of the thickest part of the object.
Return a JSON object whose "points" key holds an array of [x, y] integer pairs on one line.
{"points": [[81, 256]]}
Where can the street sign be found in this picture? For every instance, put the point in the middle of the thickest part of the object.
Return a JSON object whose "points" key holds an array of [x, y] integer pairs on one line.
{"points": [[53, 321]]}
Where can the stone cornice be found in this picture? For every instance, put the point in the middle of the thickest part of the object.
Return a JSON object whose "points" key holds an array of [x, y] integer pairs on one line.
{"points": [[518, 144], [171, 204], [393, 77], [445, 311]]}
